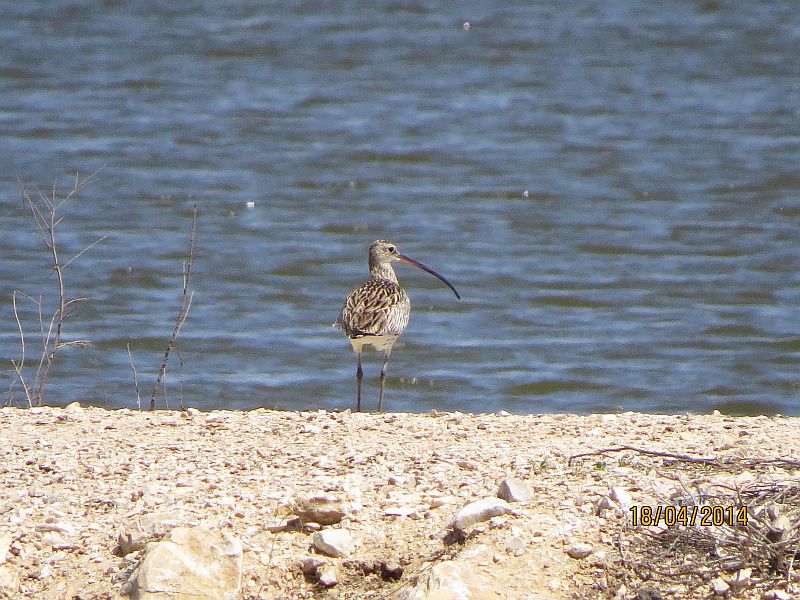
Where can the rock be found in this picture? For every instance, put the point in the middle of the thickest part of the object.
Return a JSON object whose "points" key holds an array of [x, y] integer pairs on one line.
{"points": [[310, 566], [322, 509], [776, 595], [193, 562], [319, 570], [439, 501], [579, 550], [479, 511], [515, 490], [621, 496], [451, 580], [327, 576], [390, 571], [5, 545], [73, 408], [334, 542], [9, 582], [719, 587], [515, 543]]}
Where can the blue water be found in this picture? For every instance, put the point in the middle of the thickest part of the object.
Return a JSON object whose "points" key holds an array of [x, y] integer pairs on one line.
{"points": [[612, 186]]}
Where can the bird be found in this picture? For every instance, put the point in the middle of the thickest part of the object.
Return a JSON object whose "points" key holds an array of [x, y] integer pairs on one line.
{"points": [[376, 312]]}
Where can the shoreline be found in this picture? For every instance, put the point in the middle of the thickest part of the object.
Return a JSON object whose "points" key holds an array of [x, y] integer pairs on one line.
{"points": [[73, 479]]}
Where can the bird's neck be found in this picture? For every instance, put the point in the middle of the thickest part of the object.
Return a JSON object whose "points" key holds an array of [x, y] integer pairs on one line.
{"points": [[382, 271]]}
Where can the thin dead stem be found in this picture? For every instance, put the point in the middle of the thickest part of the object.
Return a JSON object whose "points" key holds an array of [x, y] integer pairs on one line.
{"points": [[135, 379], [183, 310]]}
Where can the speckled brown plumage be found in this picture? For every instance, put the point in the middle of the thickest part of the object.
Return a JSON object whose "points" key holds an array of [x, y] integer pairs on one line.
{"points": [[376, 307], [376, 312]]}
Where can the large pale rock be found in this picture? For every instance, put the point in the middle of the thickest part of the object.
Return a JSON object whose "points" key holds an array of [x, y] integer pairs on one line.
{"points": [[478, 511], [451, 580], [193, 563], [334, 542]]}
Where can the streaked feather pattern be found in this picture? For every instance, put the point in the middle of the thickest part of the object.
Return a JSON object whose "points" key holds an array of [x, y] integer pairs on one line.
{"points": [[377, 307]]}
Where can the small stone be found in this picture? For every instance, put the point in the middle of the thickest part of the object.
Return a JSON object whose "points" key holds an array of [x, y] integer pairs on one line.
{"points": [[515, 490], [45, 572], [5, 545], [621, 496], [479, 511], [579, 550], [334, 542], [322, 509], [719, 587], [327, 576], [73, 408], [440, 501], [514, 544], [310, 566], [398, 511], [391, 571]]}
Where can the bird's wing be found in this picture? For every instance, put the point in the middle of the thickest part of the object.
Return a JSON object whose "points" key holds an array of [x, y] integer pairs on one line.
{"points": [[374, 308]]}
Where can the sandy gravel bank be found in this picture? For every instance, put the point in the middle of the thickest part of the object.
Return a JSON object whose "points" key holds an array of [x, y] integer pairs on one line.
{"points": [[72, 479]]}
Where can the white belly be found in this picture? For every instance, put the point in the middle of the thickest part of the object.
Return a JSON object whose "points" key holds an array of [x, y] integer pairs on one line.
{"points": [[379, 342]]}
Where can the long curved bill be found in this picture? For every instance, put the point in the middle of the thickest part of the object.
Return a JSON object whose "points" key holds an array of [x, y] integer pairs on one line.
{"points": [[419, 265]]}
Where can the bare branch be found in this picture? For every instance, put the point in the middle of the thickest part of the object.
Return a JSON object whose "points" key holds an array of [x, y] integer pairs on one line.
{"points": [[712, 461], [45, 212], [89, 247]]}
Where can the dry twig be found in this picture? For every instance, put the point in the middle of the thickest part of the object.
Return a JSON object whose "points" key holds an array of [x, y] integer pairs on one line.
{"points": [[183, 310], [46, 212]]}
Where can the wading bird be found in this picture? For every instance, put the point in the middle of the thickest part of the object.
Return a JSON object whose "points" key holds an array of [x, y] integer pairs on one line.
{"points": [[376, 312]]}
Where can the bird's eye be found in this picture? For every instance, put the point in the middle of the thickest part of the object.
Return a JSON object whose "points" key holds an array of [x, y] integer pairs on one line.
{"points": [[391, 249]]}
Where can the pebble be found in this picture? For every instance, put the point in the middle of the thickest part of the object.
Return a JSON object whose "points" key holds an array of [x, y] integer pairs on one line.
{"points": [[334, 542], [621, 496], [579, 550], [327, 576], [5, 545], [719, 586], [479, 511], [515, 490], [320, 508], [310, 565]]}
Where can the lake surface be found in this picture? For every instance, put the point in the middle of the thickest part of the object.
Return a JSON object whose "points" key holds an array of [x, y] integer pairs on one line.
{"points": [[613, 187]]}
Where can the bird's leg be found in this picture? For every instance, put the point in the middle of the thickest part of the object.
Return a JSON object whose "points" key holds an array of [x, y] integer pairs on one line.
{"points": [[359, 377], [383, 378]]}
